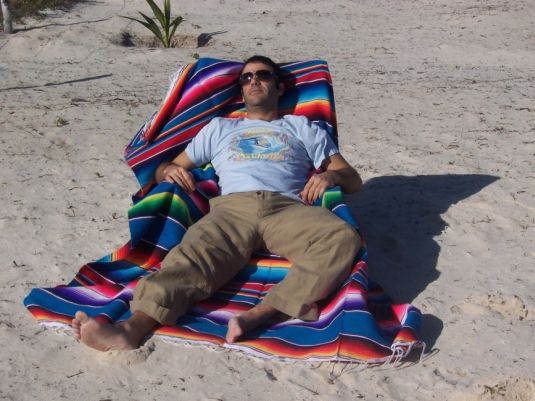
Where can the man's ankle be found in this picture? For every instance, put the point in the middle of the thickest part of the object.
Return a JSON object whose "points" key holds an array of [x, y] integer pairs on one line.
{"points": [[139, 324]]}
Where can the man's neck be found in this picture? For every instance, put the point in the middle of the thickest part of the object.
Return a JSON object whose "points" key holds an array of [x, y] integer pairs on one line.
{"points": [[266, 115]]}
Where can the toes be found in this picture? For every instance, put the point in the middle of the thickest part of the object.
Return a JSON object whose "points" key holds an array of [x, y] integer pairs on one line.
{"points": [[81, 317], [76, 328], [234, 330]]}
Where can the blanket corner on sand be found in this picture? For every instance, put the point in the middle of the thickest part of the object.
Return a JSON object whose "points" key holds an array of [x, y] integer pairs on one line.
{"points": [[358, 322]]}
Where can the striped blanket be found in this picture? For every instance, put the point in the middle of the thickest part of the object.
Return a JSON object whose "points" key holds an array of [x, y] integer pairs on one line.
{"points": [[358, 322]]}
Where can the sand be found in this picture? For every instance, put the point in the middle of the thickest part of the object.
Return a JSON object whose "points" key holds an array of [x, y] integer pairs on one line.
{"points": [[436, 109]]}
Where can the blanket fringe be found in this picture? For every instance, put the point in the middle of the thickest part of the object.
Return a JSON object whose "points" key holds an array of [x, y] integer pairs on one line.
{"points": [[399, 352]]}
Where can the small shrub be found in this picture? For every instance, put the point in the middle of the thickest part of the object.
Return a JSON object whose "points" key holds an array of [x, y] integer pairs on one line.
{"points": [[60, 121], [167, 28]]}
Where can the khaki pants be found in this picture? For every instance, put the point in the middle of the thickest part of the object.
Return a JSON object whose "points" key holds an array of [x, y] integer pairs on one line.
{"points": [[320, 245]]}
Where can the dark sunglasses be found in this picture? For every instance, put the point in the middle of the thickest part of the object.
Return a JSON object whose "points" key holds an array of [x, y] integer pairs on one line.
{"points": [[262, 75]]}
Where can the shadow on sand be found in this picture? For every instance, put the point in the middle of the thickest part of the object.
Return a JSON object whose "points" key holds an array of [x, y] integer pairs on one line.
{"points": [[399, 217]]}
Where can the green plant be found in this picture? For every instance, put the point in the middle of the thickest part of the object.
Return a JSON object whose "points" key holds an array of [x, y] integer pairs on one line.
{"points": [[60, 121], [167, 28]]}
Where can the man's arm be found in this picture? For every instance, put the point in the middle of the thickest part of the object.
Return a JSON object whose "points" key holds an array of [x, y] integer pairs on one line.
{"points": [[337, 172], [177, 171]]}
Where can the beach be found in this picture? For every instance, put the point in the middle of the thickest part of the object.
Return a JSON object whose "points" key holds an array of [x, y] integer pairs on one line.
{"points": [[435, 105]]}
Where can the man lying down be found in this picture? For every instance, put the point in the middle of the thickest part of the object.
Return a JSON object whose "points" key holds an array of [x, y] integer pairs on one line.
{"points": [[263, 163]]}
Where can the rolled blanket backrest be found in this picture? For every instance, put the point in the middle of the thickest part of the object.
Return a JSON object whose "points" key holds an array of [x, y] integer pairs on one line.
{"points": [[209, 88]]}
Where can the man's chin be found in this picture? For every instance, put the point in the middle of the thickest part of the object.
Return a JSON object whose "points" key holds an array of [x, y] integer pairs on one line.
{"points": [[255, 102], [255, 97]]}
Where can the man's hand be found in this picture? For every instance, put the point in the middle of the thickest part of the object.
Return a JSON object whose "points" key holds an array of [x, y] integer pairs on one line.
{"points": [[177, 171], [178, 174], [317, 185], [337, 172]]}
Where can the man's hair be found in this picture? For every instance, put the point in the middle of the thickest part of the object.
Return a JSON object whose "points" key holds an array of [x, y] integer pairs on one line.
{"points": [[267, 61]]}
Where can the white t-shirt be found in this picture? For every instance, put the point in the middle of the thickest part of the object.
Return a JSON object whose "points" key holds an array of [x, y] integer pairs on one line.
{"points": [[253, 155]]}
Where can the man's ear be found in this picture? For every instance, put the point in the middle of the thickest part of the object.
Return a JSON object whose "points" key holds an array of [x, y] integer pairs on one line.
{"points": [[281, 88]]}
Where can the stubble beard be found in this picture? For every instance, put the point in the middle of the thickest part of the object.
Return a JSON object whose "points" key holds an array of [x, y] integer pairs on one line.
{"points": [[260, 100]]}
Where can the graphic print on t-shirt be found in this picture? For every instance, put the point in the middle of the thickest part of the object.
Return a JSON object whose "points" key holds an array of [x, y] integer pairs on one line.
{"points": [[260, 144]]}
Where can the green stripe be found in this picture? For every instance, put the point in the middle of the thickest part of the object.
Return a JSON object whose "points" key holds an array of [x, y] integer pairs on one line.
{"points": [[162, 203]]}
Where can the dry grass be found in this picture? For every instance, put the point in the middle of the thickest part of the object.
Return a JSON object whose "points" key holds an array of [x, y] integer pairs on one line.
{"points": [[32, 8]]}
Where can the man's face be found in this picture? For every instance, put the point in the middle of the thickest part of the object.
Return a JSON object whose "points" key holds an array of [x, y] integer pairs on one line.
{"points": [[261, 93]]}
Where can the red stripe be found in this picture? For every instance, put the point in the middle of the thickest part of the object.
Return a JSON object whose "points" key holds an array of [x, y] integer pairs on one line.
{"points": [[198, 93], [166, 145], [168, 105]]}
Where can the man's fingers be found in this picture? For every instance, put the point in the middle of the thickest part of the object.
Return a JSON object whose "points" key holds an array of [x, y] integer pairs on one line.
{"points": [[170, 177], [186, 181], [312, 192], [308, 184], [308, 192], [320, 190], [181, 183], [180, 176], [316, 189], [190, 182], [314, 181]]}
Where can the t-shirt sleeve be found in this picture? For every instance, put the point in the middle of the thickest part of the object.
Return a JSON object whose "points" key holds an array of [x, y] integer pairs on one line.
{"points": [[199, 150], [318, 143]]}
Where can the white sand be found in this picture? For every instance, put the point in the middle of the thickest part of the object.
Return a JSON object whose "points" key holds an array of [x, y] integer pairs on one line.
{"points": [[436, 109]]}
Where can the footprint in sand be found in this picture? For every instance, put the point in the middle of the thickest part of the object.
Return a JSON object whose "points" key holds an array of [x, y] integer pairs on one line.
{"points": [[517, 389], [510, 307], [512, 389], [127, 358]]}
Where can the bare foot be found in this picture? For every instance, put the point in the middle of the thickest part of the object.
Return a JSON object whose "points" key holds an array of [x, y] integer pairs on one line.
{"points": [[103, 337], [107, 337], [234, 330], [244, 322]]}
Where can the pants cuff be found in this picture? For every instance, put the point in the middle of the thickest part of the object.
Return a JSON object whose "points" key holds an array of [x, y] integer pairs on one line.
{"points": [[164, 316], [295, 310]]}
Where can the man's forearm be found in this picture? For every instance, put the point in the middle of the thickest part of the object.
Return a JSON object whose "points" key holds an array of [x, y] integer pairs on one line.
{"points": [[348, 179]]}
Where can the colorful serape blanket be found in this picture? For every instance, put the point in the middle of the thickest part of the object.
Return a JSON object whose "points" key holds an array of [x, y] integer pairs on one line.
{"points": [[358, 322]]}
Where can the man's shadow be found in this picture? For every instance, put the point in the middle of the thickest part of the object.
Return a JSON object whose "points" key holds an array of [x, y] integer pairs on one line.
{"points": [[399, 217]]}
